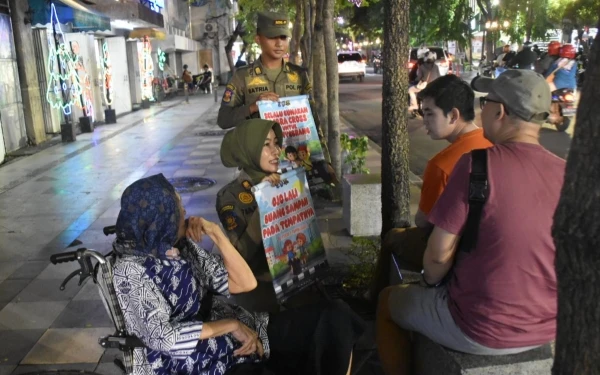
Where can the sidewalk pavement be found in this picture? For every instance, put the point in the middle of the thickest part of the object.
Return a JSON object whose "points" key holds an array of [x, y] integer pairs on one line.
{"points": [[68, 192]]}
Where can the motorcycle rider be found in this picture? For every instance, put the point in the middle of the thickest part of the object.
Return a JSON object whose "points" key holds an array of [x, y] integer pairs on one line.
{"points": [[549, 58], [524, 58], [562, 74]]}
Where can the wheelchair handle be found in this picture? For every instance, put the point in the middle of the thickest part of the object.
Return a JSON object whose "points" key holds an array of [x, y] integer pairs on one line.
{"points": [[111, 229], [68, 256]]}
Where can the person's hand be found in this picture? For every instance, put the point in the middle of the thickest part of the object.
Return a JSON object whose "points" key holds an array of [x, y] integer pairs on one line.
{"points": [[248, 338], [268, 96], [274, 179], [264, 96], [197, 227]]}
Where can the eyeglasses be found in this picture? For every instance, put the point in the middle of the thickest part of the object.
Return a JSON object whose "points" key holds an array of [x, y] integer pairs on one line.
{"points": [[484, 100]]}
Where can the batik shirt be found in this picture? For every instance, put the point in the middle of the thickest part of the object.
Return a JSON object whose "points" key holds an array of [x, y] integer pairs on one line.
{"points": [[161, 299]]}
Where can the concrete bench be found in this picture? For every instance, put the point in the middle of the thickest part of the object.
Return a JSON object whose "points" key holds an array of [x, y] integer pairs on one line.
{"points": [[362, 204], [431, 358]]}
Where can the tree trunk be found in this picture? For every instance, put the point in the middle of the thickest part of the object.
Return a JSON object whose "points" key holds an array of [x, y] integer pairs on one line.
{"points": [[395, 185], [238, 31], [333, 99], [306, 42], [296, 34], [320, 70], [576, 234]]}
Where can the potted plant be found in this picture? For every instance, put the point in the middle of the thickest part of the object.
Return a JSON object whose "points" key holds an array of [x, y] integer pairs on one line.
{"points": [[354, 154]]}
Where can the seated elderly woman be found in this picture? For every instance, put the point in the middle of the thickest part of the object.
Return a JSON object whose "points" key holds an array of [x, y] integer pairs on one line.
{"points": [[166, 287]]}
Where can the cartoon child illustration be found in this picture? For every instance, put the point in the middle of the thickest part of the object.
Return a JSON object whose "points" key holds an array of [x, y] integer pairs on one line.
{"points": [[291, 154], [301, 242], [305, 157], [288, 249]]}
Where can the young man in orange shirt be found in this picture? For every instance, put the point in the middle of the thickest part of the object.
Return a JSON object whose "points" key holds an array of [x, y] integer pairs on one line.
{"points": [[448, 113]]}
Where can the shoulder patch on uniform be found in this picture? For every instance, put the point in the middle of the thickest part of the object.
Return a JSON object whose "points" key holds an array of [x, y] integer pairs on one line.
{"points": [[230, 86], [230, 221], [226, 208], [228, 94], [308, 87], [247, 185], [245, 197], [257, 70]]}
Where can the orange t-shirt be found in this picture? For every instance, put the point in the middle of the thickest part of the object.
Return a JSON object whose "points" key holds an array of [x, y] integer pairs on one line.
{"points": [[441, 165]]}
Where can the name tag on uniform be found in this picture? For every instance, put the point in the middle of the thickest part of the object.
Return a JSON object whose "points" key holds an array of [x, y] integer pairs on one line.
{"points": [[293, 87], [259, 89]]}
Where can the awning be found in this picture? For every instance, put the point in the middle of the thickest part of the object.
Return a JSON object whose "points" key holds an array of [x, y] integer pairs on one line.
{"points": [[71, 12], [149, 32]]}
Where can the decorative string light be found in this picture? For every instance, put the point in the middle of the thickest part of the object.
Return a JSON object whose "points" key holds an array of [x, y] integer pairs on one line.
{"points": [[162, 58], [147, 69], [59, 94], [107, 72], [84, 100]]}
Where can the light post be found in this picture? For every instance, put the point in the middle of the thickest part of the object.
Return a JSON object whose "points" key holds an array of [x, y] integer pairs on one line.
{"points": [[495, 27]]}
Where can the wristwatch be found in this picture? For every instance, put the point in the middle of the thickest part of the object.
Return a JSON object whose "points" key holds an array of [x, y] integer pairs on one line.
{"points": [[425, 283]]}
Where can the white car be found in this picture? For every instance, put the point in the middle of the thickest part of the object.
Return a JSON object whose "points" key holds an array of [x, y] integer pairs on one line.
{"points": [[351, 64]]}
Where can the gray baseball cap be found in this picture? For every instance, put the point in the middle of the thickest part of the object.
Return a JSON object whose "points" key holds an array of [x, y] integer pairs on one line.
{"points": [[525, 93], [273, 25]]}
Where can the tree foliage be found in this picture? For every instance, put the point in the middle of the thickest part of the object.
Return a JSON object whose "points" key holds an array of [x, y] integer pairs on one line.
{"points": [[431, 21]]}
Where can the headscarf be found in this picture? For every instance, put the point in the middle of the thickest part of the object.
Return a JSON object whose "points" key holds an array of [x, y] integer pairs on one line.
{"points": [[242, 147], [148, 222]]}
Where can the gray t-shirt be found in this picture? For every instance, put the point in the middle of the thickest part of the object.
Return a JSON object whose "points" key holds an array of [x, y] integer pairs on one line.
{"points": [[428, 72]]}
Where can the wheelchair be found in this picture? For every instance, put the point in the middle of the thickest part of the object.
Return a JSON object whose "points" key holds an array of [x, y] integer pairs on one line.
{"points": [[99, 268]]}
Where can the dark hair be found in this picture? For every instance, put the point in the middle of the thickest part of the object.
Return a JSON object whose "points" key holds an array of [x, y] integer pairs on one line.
{"points": [[205, 66], [290, 150], [451, 92], [185, 67]]}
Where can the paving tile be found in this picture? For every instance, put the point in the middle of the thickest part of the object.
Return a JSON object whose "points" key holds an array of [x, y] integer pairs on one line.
{"points": [[110, 355], [108, 369], [89, 291], [203, 152], [28, 271], [48, 290], [198, 161], [8, 268], [10, 288], [25, 369], [83, 314], [67, 345], [6, 369], [30, 315], [58, 271], [14, 345], [198, 172]]}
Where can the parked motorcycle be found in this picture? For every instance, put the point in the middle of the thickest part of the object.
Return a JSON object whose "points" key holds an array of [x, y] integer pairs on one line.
{"points": [[486, 69], [563, 109]]}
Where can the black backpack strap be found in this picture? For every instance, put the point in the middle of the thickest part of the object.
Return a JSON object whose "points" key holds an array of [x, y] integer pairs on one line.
{"points": [[478, 194]]}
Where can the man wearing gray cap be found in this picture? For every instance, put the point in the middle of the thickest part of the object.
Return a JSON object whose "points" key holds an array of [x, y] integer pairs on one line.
{"points": [[489, 282]]}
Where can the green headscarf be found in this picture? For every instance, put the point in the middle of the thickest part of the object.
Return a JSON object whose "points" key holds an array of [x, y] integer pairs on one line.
{"points": [[243, 146]]}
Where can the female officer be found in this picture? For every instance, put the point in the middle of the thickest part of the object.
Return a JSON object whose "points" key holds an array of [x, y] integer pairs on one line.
{"points": [[254, 146]]}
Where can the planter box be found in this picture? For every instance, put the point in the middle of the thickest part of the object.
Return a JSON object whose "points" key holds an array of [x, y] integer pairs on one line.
{"points": [[110, 116], [362, 204], [68, 132], [86, 125]]}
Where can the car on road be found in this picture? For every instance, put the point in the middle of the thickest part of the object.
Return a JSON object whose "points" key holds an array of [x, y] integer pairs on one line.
{"points": [[444, 59], [351, 64]]}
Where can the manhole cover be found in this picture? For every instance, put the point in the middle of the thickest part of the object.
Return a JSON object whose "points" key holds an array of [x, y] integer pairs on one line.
{"points": [[211, 133], [191, 184]]}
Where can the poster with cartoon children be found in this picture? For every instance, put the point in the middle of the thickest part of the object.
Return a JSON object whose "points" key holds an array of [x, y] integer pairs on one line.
{"points": [[301, 144], [292, 241]]}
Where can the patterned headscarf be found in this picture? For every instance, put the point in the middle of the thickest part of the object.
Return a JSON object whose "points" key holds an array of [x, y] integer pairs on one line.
{"points": [[149, 218]]}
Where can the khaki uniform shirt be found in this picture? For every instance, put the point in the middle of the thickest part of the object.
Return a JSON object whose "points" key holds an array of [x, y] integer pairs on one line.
{"points": [[238, 212], [249, 81]]}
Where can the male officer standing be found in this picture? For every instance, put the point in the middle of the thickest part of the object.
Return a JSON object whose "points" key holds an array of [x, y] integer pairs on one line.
{"points": [[268, 78]]}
